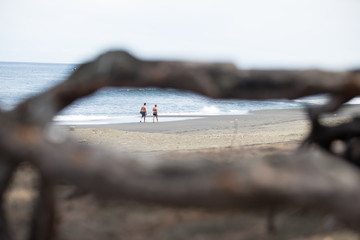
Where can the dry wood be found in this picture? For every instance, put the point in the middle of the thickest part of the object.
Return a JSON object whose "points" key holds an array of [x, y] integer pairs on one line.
{"points": [[307, 179], [43, 222], [7, 169]]}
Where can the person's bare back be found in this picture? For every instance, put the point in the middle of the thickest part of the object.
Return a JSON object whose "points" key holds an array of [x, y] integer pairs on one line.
{"points": [[143, 112]]}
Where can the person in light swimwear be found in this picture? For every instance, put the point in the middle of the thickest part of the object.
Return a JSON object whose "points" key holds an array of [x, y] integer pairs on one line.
{"points": [[155, 114]]}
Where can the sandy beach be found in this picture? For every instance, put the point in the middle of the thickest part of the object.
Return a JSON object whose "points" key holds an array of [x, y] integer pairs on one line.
{"points": [[207, 132], [218, 137], [259, 128]]}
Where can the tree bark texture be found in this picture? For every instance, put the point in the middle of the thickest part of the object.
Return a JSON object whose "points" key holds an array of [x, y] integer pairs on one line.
{"points": [[312, 179]]}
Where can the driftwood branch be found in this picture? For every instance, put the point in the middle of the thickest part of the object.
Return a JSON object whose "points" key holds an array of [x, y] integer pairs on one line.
{"points": [[7, 169], [327, 184], [43, 222], [314, 180]]}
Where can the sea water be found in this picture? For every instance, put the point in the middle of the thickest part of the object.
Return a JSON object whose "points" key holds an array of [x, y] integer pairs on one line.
{"points": [[121, 105]]}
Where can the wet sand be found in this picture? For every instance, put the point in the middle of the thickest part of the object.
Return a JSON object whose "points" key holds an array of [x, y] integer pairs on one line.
{"points": [[208, 132]]}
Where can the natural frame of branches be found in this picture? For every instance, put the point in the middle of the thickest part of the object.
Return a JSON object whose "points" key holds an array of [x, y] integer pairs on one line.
{"points": [[318, 180]]}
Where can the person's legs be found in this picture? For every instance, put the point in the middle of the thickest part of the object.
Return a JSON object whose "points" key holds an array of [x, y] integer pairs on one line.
{"points": [[142, 116]]}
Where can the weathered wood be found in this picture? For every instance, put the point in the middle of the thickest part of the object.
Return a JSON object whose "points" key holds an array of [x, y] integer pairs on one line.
{"points": [[312, 180], [325, 136], [43, 219], [309, 179], [7, 169]]}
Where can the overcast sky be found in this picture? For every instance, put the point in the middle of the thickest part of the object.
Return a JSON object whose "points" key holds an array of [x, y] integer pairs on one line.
{"points": [[251, 34]]}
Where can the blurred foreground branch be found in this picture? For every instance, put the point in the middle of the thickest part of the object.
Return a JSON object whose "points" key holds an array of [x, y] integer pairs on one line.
{"points": [[309, 179]]}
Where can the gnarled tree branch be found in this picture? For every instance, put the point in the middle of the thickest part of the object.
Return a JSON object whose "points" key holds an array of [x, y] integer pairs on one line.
{"points": [[326, 183]]}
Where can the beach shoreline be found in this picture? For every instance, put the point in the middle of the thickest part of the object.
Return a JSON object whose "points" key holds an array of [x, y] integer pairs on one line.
{"points": [[258, 128], [224, 139]]}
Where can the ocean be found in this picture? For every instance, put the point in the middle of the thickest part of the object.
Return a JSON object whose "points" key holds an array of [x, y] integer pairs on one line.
{"points": [[122, 105]]}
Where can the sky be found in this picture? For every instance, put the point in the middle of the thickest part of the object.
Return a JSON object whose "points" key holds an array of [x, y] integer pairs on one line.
{"points": [[251, 34]]}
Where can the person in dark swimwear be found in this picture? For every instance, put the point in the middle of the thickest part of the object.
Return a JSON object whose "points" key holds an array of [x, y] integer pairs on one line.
{"points": [[143, 112], [155, 114]]}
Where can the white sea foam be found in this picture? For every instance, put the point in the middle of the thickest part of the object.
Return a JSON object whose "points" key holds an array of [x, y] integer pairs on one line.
{"points": [[210, 110], [322, 99], [354, 101], [313, 100], [80, 118], [92, 119], [239, 112]]}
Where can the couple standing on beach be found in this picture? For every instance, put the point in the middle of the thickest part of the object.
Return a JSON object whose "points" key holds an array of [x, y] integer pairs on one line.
{"points": [[143, 113]]}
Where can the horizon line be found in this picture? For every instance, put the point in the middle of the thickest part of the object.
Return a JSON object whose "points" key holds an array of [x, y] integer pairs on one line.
{"points": [[4, 61]]}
